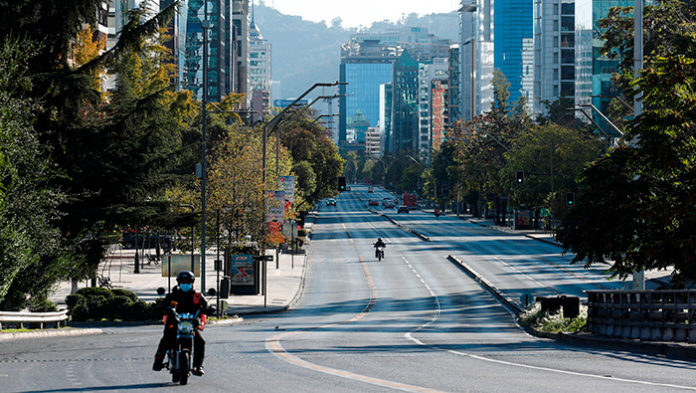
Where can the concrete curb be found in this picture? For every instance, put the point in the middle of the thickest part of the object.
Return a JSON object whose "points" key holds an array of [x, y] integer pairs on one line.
{"points": [[49, 333], [553, 243], [226, 322], [673, 350], [514, 308], [403, 227]]}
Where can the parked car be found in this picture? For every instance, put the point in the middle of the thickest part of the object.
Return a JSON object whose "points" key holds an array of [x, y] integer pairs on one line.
{"points": [[402, 209], [330, 202]]}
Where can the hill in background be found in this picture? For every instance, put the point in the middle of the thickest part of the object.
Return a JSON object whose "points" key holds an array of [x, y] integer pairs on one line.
{"points": [[306, 52]]}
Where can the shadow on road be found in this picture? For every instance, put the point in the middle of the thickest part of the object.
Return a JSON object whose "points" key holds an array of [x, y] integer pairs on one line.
{"points": [[106, 388]]}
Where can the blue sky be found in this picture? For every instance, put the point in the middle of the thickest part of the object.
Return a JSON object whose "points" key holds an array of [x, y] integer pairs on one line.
{"points": [[355, 13]]}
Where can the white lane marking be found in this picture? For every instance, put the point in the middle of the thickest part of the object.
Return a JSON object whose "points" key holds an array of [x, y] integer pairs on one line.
{"points": [[409, 336], [70, 374], [274, 346]]}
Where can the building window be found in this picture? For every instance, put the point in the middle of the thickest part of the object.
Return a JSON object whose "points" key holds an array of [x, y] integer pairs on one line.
{"points": [[568, 72], [555, 25], [567, 89], [568, 8], [567, 40]]}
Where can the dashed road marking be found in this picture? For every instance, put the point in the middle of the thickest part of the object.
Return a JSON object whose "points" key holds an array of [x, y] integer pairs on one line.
{"points": [[273, 345]]}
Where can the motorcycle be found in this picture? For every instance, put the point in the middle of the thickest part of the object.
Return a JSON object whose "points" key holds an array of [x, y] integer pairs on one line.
{"points": [[380, 253], [180, 357]]}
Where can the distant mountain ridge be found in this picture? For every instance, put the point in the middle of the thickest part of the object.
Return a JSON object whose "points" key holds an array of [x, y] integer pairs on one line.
{"points": [[306, 52]]}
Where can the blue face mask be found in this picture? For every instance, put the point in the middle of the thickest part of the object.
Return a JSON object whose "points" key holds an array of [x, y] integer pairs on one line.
{"points": [[186, 287]]}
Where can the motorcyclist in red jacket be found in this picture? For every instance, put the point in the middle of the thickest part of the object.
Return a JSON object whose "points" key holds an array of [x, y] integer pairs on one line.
{"points": [[184, 299]]}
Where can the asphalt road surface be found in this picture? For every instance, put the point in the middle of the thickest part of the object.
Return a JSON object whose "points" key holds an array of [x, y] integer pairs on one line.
{"points": [[413, 322]]}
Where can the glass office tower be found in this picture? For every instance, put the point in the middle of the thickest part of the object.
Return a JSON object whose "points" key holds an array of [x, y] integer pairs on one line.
{"points": [[405, 105], [365, 66], [217, 43], [593, 71], [513, 26], [362, 91]]}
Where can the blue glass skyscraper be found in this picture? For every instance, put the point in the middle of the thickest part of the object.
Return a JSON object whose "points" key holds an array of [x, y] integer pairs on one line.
{"points": [[593, 78], [365, 65], [513, 26]]}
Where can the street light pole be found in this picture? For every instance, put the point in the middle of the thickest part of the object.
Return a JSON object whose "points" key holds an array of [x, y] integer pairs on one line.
{"points": [[205, 24], [637, 51], [268, 129], [638, 276]]}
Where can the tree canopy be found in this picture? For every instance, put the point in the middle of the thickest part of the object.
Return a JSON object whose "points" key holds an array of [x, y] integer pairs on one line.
{"points": [[635, 207]]}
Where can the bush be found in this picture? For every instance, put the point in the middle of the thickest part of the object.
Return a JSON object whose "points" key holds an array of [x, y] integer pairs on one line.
{"points": [[97, 307], [118, 304], [552, 323], [41, 304], [95, 291], [80, 312], [117, 307], [126, 293], [76, 299]]}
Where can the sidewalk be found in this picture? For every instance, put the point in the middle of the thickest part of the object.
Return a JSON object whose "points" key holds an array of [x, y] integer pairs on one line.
{"points": [[536, 234], [284, 283]]}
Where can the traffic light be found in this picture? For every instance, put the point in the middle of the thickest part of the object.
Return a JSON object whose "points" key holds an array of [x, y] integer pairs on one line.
{"points": [[570, 199], [341, 183], [520, 177]]}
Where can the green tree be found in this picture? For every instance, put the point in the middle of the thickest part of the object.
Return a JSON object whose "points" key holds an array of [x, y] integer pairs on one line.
{"points": [[111, 154], [440, 176], [546, 154], [635, 206], [309, 141], [28, 202]]}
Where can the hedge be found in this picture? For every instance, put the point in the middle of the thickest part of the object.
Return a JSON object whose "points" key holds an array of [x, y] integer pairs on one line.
{"points": [[97, 304]]}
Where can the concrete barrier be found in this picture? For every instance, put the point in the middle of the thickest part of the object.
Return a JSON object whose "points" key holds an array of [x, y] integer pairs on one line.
{"points": [[667, 315]]}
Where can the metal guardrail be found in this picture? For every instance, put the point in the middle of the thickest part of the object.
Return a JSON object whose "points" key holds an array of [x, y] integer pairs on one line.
{"points": [[668, 315], [20, 318]]}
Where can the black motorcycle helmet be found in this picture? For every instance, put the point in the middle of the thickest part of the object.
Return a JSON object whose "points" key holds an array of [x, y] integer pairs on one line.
{"points": [[185, 277]]}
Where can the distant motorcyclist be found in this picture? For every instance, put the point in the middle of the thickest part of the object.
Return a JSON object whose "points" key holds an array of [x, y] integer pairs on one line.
{"points": [[379, 243], [183, 299]]}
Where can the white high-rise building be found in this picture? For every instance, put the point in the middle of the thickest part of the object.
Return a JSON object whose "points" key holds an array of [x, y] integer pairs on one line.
{"points": [[427, 73], [477, 56], [259, 71], [554, 52], [373, 142]]}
